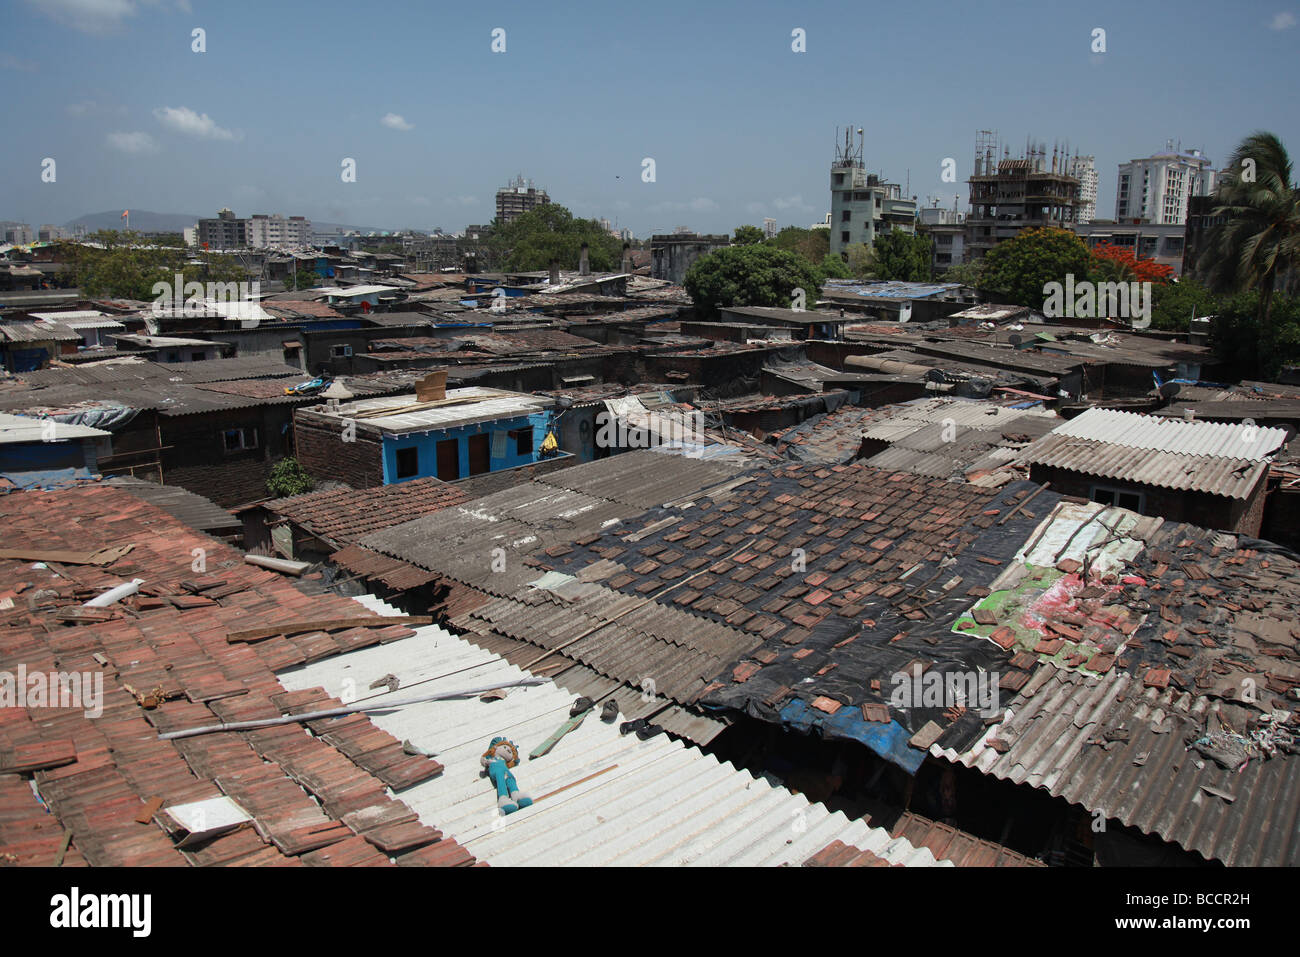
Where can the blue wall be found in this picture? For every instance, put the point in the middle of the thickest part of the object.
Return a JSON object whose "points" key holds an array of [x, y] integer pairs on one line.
{"points": [[427, 443]]}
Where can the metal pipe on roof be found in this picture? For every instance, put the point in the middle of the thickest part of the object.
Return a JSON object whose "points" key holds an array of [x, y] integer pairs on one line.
{"points": [[889, 366], [346, 709]]}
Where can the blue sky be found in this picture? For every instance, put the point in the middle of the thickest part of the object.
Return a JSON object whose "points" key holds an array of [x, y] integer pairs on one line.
{"points": [[739, 126]]}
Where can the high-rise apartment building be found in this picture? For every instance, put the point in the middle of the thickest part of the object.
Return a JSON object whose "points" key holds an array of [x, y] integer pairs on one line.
{"points": [[517, 198], [17, 233], [862, 204], [261, 231], [269, 232], [1084, 169], [226, 231], [1157, 189]]}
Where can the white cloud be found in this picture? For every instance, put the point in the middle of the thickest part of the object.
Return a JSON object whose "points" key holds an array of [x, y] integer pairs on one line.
{"points": [[395, 121], [462, 201], [418, 200], [99, 16], [184, 120], [132, 142], [1282, 21]]}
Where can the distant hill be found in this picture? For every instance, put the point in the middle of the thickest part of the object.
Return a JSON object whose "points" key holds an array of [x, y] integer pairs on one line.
{"points": [[141, 219]]}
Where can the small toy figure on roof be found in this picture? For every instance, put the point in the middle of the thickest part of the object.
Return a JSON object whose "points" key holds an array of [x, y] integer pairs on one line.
{"points": [[498, 759]]}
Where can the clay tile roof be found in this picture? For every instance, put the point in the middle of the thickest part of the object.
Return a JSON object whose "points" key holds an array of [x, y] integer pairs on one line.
{"points": [[166, 663], [341, 516]]}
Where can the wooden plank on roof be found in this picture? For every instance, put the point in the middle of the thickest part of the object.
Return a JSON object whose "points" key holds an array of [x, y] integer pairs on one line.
{"points": [[102, 556], [325, 624]]}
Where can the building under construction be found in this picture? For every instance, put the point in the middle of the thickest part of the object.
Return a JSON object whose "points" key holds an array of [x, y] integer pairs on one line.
{"points": [[1009, 194]]}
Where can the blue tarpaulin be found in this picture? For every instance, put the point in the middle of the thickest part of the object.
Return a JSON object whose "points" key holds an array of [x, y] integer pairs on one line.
{"points": [[49, 479], [887, 740]]}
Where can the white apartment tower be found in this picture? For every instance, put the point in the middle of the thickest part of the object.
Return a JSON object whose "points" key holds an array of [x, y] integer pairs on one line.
{"points": [[271, 232], [1084, 169], [1157, 189]]}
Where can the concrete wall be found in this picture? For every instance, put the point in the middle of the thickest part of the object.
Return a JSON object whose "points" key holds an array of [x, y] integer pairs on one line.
{"points": [[672, 259]]}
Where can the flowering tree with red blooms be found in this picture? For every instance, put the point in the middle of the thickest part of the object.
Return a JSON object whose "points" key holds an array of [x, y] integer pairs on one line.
{"points": [[1115, 263]]}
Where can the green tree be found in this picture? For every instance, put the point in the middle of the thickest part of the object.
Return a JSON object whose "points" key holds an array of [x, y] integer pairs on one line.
{"points": [[861, 261], [757, 275], [834, 267], [1257, 246], [305, 277], [551, 233], [748, 235], [811, 244], [902, 256], [1017, 270], [1235, 344], [128, 266], [968, 274], [288, 478], [1174, 303]]}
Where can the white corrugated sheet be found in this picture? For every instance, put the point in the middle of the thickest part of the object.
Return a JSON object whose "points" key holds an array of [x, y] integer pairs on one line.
{"points": [[471, 404], [1153, 433], [661, 802]]}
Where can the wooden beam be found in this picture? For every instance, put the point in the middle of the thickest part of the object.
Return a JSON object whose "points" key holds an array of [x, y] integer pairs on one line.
{"points": [[326, 624]]}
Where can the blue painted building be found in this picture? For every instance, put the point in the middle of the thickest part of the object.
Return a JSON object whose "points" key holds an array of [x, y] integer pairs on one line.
{"points": [[394, 439]]}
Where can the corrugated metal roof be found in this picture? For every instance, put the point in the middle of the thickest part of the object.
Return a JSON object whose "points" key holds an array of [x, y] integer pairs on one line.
{"points": [[1055, 738], [633, 703], [36, 332], [1219, 475], [624, 637], [471, 404], [211, 370], [642, 479], [459, 541], [904, 418], [20, 428], [1137, 431], [626, 802]]}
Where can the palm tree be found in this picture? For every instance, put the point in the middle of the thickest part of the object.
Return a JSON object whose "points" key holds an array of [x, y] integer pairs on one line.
{"points": [[1257, 243]]}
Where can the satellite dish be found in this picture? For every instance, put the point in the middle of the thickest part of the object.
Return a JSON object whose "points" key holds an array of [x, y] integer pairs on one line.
{"points": [[934, 375], [1015, 340], [1169, 389]]}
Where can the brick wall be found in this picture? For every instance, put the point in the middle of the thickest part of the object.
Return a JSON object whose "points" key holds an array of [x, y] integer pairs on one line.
{"points": [[195, 456], [324, 454]]}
